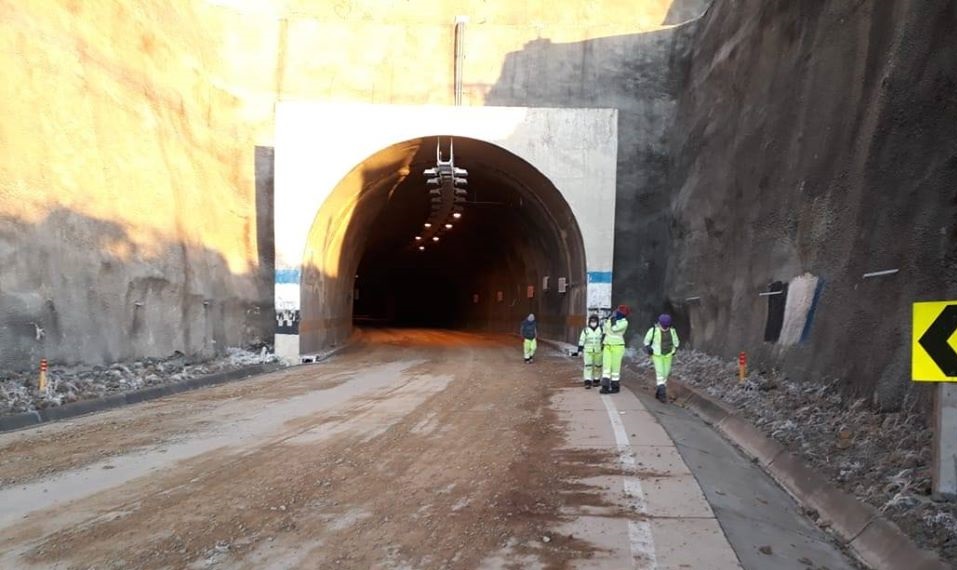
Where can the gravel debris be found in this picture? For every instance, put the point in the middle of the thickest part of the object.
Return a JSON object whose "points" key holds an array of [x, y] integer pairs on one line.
{"points": [[66, 384]]}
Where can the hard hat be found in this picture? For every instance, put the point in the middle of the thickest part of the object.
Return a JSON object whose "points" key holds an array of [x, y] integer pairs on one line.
{"points": [[664, 320], [624, 310]]}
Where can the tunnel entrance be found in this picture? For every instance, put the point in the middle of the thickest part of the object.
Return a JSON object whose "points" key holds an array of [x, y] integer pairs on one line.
{"points": [[515, 248]]}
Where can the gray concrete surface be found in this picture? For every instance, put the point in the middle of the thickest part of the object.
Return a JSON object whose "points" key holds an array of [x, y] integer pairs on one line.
{"points": [[945, 439], [671, 524], [753, 510]]}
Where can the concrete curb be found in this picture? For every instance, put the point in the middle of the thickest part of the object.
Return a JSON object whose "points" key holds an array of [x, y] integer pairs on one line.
{"points": [[83, 407], [875, 540]]}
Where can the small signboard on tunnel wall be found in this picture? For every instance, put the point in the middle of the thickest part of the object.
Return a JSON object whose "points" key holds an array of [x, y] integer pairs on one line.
{"points": [[531, 291], [499, 296], [475, 298], [562, 285]]}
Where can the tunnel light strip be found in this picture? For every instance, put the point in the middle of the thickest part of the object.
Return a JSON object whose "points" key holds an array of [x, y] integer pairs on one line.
{"points": [[880, 273], [689, 299], [640, 539], [770, 293]]}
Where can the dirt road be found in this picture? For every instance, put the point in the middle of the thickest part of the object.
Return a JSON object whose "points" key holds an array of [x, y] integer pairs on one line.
{"points": [[412, 449]]}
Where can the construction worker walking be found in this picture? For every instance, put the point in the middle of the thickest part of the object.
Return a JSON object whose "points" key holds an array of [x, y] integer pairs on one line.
{"points": [[661, 343], [529, 337], [613, 350], [589, 346]]}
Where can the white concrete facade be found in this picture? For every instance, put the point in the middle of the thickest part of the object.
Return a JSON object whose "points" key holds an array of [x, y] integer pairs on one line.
{"points": [[318, 144]]}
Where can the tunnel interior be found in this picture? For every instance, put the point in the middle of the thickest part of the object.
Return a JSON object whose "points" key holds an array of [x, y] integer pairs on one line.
{"points": [[365, 266]]}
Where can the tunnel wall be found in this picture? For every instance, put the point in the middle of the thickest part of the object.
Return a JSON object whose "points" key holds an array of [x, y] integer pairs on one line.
{"points": [[128, 220], [815, 143], [316, 143]]}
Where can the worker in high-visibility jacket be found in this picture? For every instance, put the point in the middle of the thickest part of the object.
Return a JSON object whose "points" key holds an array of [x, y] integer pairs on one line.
{"points": [[589, 346], [613, 350], [661, 343], [529, 331]]}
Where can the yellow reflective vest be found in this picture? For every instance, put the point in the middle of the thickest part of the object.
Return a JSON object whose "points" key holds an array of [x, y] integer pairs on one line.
{"points": [[615, 333], [590, 339]]}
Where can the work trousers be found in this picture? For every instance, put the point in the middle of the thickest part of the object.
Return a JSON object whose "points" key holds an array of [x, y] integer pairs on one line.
{"points": [[611, 361], [530, 345], [662, 367], [592, 357]]}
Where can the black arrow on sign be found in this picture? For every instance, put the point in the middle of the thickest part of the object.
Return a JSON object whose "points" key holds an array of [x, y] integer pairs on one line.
{"points": [[935, 343]]}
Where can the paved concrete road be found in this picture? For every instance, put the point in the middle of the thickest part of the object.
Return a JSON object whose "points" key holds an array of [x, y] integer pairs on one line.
{"points": [[412, 449]]}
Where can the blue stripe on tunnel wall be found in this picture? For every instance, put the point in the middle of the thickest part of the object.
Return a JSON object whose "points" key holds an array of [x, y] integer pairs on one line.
{"points": [[599, 276], [287, 276]]}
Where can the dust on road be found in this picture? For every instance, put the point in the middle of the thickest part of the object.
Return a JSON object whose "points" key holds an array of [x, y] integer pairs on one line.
{"points": [[439, 463]]}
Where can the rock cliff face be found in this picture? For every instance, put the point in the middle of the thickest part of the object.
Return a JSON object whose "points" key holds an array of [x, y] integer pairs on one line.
{"points": [[128, 224], [816, 139]]}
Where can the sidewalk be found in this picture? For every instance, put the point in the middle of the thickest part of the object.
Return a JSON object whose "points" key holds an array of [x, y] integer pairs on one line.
{"points": [[677, 495]]}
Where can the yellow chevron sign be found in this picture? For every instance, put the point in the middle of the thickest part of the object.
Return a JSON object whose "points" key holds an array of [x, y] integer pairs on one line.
{"points": [[934, 342]]}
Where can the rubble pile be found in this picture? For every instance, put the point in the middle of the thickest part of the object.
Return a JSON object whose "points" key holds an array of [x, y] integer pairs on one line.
{"points": [[65, 384], [882, 458]]}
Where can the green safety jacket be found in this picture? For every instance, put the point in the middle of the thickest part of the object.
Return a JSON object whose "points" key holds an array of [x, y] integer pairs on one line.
{"points": [[615, 333], [653, 337], [590, 339]]}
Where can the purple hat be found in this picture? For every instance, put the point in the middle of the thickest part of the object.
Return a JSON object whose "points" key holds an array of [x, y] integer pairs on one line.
{"points": [[664, 320]]}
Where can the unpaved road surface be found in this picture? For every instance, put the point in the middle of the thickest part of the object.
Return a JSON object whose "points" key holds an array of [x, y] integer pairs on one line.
{"points": [[412, 449]]}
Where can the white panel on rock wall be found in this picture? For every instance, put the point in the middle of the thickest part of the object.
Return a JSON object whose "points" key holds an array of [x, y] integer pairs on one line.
{"points": [[800, 300]]}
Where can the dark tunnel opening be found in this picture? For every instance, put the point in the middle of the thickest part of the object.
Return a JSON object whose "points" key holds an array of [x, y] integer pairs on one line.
{"points": [[486, 272]]}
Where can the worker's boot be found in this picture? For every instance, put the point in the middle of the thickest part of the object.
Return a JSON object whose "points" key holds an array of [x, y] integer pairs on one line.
{"points": [[615, 386], [588, 384], [604, 386], [660, 393]]}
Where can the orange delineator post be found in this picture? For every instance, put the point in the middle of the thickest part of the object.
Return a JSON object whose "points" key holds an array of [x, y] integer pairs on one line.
{"points": [[42, 382], [742, 367]]}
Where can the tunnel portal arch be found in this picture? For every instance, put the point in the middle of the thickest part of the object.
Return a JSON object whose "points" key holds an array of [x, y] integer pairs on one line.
{"points": [[350, 196]]}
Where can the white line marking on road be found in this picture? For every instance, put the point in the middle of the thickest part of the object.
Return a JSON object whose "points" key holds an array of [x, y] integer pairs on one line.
{"points": [[639, 531]]}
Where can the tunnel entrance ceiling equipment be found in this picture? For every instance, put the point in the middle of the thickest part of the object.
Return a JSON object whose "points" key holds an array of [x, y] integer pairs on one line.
{"points": [[351, 197]]}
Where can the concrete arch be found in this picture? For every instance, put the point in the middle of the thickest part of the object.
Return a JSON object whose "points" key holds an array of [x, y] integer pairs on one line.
{"points": [[525, 226]]}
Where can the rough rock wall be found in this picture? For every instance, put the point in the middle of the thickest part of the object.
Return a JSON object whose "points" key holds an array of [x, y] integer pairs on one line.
{"points": [[817, 137], [127, 210]]}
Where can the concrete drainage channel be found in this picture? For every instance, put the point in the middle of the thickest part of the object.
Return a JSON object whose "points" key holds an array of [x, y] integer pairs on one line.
{"points": [[874, 539]]}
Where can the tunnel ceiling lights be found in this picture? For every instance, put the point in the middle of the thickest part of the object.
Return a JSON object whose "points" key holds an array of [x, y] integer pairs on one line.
{"points": [[446, 184]]}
